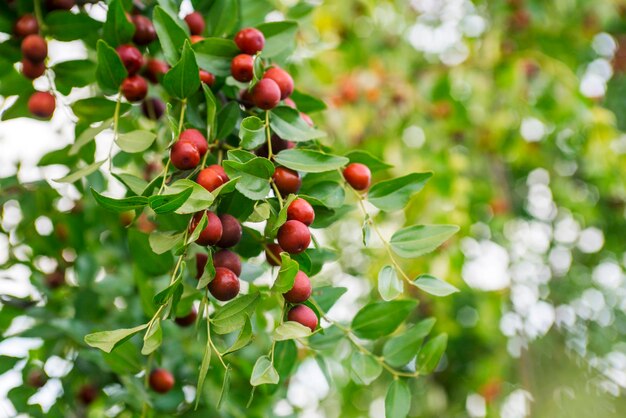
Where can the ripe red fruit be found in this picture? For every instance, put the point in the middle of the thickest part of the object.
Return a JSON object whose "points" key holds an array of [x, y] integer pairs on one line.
{"points": [[36, 378], [26, 25], [272, 254], [207, 78], [303, 315], [219, 170], [301, 289], [231, 231], [212, 232], [358, 176], [242, 68], [245, 98], [282, 79], [307, 119], [195, 137], [31, 69], [266, 94], [212, 177], [131, 58], [250, 40], [287, 180], [184, 155], [155, 69], [34, 48], [41, 104], [196, 24], [87, 394], [201, 259], [225, 284], [294, 237], [153, 108], [227, 259], [60, 4], [301, 210], [134, 88], [144, 30], [189, 319], [161, 380]]}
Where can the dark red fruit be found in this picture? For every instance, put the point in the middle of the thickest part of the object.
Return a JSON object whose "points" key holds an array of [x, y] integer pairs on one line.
{"points": [[212, 232], [207, 78], [294, 237], [245, 98], [184, 155], [201, 259], [196, 24], [278, 144], [282, 79], [134, 88], [272, 254], [301, 289], [301, 210], [358, 176], [60, 4], [155, 69], [228, 260], [225, 285], [232, 231], [161, 380], [87, 394], [212, 177], [287, 180], [55, 279], [131, 58], [250, 40], [26, 25], [303, 315], [241, 68], [36, 378], [41, 104], [266, 94], [31, 69], [153, 108], [195, 137], [144, 30], [34, 48], [189, 319]]}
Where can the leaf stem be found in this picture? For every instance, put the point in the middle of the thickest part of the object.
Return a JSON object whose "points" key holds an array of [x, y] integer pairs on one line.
{"points": [[116, 119], [268, 135], [277, 193]]}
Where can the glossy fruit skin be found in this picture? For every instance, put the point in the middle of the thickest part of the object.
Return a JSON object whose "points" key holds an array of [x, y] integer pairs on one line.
{"points": [[195, 137], [134, 88], [225, 285], [272, 254], [42, 104], [250, 40], [229, 260], [278, 144], [294, 237], [241, 68], [301, 289], [153, 108], [155, 69], [231, 231], [207, 78], [161, 380], [266, 94], [282, 79], [301, 210], [187, 320], [145, 33], [211, 177], [358, 176], [32, 70], [34, 48], [26, 25], [184, 155], [196, 24], [303, 315], [212, 232], [131, 58], [201, 259], [87, 394], [287, 180]]}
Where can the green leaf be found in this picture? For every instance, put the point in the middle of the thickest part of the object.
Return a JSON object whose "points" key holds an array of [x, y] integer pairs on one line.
{"points": [[290, 330], [164, 295], [274, 224], [171, 33], [394, 194], [81, 173], [232, 316], [309, 161], [170, 202], [199, 199], [397, 400], [418, 240], [215, 54], [399, 350], [132, 183], [153, 338], [75, 73], [364, 157], [389, 284], [430, 354], [221, 17], [161, 242], [327, 296], [225, 388], [307, 103], [287, 274], [120, 205], [263, 372], [378, 319], [96, 109], [183, 79], [117, 29], [87, 135], [327, 193], [204, 367], [108, 340], [252, 132], [227, 119], [66, 26], [211, 106], [254, 176], [287, 123], [434, 286], [243, 339], [365, 369], [279, 37], [209, 272], [135, 141]]}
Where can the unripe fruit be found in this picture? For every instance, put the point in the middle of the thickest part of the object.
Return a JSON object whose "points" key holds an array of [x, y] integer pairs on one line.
{"points": [[294, 237], [161, 380], [242, 68], [196, 24], [301, 289], [32, 70], [303, 315], [301, 210], [26, 25], [60, 4], [225, 285], [232, 231], [287, 180], [153, 108], [196, 38], [272, 254], [266, 94], [41, 104], [189, 319], [127, 217], [201, 259], [131, 58], [229, 260], [36, 378], [282, 79], [212, 177], [134, 88], [207, 78], [184, 155], [358, 176], [212, 232], [195, 137], [145, 32], [250, 40], [34, 48], [155, 69], [87, 394]]}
